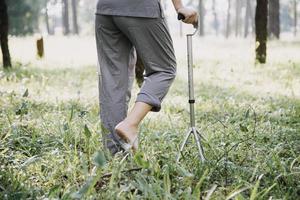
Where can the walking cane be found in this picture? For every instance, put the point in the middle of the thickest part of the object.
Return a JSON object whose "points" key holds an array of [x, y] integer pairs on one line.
{"points": [[192, 130]]}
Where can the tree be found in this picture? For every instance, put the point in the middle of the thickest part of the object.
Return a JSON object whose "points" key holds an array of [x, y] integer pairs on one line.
{"points": [[47, 18], [75, 22], [248, 17], [228, 20], [23, 16], [216, 21], [274, 19], [65, 17], [237, 17], [4, 24], [261, 23], [47, 21], [201, 17], [295, 2]]}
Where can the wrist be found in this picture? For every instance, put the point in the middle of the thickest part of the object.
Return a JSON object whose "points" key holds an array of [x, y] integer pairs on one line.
{"points": [[177, 5]]}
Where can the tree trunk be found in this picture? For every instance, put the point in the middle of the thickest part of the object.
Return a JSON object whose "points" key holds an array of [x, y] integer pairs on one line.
{"points": [[237, 17], [201, 15], [75, 21], [248, 18], [216, 21], [47, 22], [4, 34], [274, 19], [65, 17], [40, 47], [261, 23], [295, 17], [252, 17], [228, 19]]}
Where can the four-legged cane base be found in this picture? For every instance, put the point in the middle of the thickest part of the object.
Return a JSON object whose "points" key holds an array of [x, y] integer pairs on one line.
{"points": [[197, 137]]}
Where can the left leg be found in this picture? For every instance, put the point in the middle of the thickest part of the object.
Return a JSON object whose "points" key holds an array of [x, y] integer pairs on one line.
{"points": [[154, 44]]}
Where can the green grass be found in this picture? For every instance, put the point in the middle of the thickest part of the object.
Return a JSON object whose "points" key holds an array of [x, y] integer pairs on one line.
{"points": [[50, 136]]}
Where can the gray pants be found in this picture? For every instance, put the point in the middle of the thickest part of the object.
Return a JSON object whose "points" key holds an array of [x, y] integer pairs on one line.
{"points": [[116, 36]]}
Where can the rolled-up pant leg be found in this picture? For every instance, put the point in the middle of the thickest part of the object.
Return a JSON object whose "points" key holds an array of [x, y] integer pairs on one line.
{"points": [[116, 59], [154, 45]]}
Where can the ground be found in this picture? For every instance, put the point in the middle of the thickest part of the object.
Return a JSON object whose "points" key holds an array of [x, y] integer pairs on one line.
{"points": [[249, 115]]}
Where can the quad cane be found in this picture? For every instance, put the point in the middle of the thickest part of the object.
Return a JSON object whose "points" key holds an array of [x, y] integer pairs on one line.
{"points": [[192, 129]]}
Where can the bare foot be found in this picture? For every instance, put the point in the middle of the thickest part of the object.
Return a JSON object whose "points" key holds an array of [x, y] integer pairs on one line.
{"points": [[129, 133]]}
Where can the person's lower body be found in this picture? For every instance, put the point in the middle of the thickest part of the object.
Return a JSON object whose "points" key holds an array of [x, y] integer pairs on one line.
{"points": [[115, 38]]}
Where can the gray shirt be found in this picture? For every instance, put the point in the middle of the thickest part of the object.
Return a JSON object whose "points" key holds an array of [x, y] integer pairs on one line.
{"points": [[130, 8]]}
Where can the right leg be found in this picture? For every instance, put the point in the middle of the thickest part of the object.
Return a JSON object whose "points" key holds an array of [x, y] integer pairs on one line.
{"points": [[113, 49]]}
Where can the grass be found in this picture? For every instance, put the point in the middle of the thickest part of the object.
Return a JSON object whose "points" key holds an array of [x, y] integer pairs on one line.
{"points": [[50, 135]]}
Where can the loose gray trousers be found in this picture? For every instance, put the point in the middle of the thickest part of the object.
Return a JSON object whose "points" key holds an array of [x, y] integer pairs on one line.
{"points": [[116, 38]]}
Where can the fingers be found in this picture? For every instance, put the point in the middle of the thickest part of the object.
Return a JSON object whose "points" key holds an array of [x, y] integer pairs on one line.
{"points": [[192, 19], [191, 16]]}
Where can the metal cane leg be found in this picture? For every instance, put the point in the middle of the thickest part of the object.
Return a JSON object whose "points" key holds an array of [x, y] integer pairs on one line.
{"points": [[198, 142], [183, 144], [201, 138]]}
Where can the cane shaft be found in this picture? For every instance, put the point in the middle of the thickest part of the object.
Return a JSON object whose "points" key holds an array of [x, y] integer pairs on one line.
{"points": [[191, 79]]}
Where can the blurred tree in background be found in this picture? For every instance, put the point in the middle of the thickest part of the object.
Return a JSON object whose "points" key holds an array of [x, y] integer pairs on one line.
{"points": [[238, 7], [4, 34], [24, 16], [201, 10], [27, 16], [274, 19], [249, 19], [295, 11], [65, 17], [219, 17], [261, 23], [222, 18], [216, 23], [75, 16], [228, 19]]}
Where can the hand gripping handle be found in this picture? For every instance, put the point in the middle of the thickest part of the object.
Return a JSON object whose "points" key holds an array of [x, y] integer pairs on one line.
{"points": [[181, 17]]}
